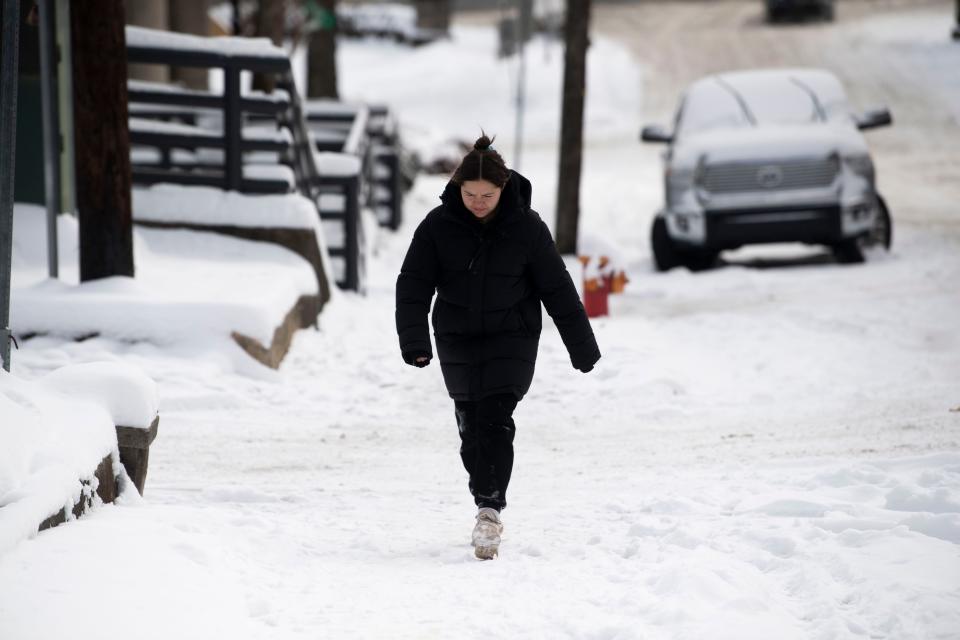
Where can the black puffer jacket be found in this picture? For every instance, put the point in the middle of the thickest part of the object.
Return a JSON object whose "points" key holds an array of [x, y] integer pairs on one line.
{"points": [[490, 279]]}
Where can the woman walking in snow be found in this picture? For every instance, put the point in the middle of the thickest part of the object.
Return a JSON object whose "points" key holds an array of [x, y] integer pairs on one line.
{"points": [[491, 261]]}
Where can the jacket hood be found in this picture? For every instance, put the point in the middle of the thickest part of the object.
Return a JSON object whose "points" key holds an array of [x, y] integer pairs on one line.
{"points": [[516, 197]]}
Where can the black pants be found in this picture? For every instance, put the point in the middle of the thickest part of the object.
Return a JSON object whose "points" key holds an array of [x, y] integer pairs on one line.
{"points": [[486, 446]]}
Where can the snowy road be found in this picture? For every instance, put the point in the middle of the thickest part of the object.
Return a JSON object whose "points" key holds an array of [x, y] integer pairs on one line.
{"points": [[761, 453]]}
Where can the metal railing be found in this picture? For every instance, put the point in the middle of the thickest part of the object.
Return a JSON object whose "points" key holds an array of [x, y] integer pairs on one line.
{"points": [[154, 107], [381, 153]]}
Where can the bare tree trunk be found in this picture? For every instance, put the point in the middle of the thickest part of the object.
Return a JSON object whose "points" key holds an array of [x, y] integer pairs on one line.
{"points": [[190, 16], [153, 15], [102, 139], [270, 23], [322, 54], [433, 15], [576, 32]]}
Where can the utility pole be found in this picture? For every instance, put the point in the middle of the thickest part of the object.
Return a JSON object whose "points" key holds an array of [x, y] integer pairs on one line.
{"points": [[523, 34], [9, 43], [102, 139], [576, 30]]}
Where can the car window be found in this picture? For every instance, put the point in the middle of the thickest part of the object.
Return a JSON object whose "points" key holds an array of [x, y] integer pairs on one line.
{"points": [[761, 98], [709, 106], [780, 102]]}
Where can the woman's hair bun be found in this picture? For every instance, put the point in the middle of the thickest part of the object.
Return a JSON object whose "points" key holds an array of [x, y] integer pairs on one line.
{"points": [[482, 163], [483, 143]]}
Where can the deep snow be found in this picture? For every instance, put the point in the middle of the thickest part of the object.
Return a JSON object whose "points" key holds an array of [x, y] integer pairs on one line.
{"points": [[765, 450]]}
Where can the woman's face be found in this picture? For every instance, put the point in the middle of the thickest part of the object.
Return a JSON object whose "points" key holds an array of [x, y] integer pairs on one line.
{"points": [[480, 197]]}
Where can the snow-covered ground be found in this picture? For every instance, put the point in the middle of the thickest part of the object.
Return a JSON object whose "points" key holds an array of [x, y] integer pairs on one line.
{"points": [[766, 450]]}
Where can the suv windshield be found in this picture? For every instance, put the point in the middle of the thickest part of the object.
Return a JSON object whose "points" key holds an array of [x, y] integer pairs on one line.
{"points": [[746, 100]]}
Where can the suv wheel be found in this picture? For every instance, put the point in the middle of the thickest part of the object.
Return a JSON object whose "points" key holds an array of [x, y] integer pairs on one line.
{"points": [[848, 252], [881, 235], [883, 229], [665, 256], [699, 260]]}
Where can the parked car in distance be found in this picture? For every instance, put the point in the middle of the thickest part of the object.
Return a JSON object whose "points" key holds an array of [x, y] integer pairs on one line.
{"points": [[779, 9], [766, 156]]}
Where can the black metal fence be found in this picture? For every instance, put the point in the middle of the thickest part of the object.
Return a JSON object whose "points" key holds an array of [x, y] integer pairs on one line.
{"points": [[371, 133], [194, 137]]}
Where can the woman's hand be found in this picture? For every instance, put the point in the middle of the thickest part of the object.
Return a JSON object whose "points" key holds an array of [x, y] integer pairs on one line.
{"points": [[417, 358]]}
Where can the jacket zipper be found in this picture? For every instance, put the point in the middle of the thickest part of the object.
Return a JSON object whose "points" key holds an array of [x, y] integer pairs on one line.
{"points": [[476, 254]]}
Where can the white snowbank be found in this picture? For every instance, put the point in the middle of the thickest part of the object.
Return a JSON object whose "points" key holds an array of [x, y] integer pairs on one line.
{"points": [[211, 206], [461, 103], [52, 438], [337, 164], [190, 287], [228, 46], [127, 393]]}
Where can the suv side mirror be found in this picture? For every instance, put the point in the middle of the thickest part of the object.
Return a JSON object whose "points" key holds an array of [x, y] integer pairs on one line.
{"points": [[655, 133], [873, 118]]}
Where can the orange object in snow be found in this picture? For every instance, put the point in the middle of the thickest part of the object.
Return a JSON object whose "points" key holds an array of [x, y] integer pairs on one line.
{"points": [[596, 287], [618, 281]]}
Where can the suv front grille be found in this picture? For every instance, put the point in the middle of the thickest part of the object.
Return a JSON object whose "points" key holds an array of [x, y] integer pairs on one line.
{"points": [[769, 176]]}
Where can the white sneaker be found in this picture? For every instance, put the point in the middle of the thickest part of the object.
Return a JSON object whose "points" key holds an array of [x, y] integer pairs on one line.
{"points": [[486, 534]]}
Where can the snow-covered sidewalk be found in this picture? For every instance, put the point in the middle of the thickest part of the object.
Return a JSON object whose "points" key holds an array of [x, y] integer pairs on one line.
{"points": [[743, 463]]}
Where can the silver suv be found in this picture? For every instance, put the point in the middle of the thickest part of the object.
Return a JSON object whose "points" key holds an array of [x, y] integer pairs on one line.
{"points": [[767, 156]]}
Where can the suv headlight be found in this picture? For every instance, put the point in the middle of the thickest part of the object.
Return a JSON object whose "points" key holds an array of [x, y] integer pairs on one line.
{"points": [[680, 178], [860, 165], [679, 185]]}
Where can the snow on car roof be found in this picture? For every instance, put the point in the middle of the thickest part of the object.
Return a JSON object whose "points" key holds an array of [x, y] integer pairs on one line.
{"points": [[763, 96]]}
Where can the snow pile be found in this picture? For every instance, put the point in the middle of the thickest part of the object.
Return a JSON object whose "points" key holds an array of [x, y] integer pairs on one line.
{"points": [[597, 246], [128, 395], [337, 164], [190, 288], [211, 206], [279, 172], [56, 431], [472, 88], [226, 46]]}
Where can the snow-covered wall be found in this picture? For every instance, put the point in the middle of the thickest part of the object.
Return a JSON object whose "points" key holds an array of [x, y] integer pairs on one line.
{"points": [[55, 433], [190, 288]]}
